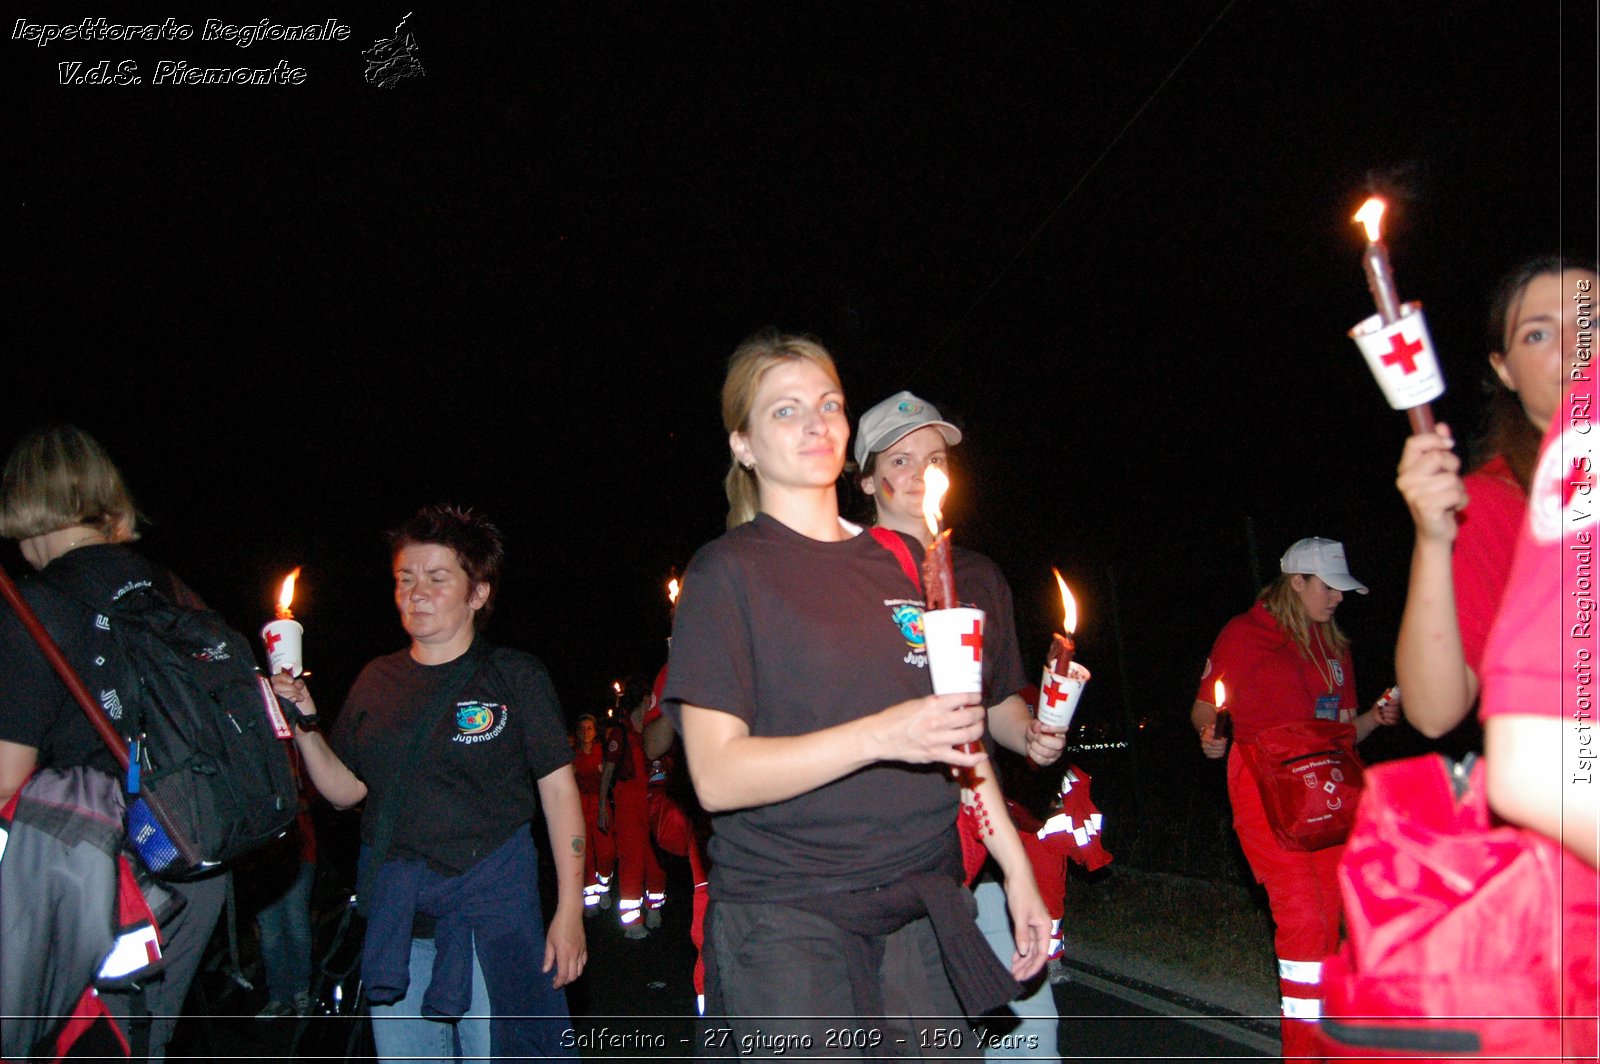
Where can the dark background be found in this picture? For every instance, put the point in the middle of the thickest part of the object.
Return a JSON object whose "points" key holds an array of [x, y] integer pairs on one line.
{"points": [[1110, 240]]}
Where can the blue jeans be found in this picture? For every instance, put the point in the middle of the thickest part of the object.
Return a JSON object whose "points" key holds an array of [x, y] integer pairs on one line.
{"points": [[494, 913], [400, 1032], [1036, 1009], [285, 929]]}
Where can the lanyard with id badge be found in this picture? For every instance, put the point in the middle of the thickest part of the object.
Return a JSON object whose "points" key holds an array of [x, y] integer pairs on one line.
{"points": [[1328, 707]]}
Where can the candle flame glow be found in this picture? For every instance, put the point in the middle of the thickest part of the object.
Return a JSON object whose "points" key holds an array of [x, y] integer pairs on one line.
{"points": [[1220, 692], [616, 685], [1069, 605], [672, 591], [286, 595], [936, 484], [1371, 216]]}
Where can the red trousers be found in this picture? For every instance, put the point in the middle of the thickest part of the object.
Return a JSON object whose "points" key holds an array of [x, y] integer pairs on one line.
{"points": [[676, 833], [1303, 893], [638, 868], [600, 856]]}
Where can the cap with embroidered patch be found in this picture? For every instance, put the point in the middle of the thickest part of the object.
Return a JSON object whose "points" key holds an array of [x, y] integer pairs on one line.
{"points": [[895, 418]]}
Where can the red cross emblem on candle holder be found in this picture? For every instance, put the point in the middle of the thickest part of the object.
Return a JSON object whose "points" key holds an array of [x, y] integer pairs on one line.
{"points": [[1402, 353], [974, 639], [272, 639], [1053, 692]]}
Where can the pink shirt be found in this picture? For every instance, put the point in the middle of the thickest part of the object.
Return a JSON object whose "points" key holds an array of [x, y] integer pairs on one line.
{"points": [[1542, 650]]}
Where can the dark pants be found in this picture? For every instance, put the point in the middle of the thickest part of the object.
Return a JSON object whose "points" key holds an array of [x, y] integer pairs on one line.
{"points": [[784, 980], [185, 943]]}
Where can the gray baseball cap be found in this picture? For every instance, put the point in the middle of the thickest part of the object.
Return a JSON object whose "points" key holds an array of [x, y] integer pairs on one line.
{"points": [[895, 418]]}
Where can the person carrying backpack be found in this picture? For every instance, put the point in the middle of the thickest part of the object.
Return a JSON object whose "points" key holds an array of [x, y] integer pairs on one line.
{"points": [[66, 504]]}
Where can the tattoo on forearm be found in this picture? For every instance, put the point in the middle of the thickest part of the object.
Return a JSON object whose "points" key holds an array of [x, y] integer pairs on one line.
{"points": [[577, 845]]}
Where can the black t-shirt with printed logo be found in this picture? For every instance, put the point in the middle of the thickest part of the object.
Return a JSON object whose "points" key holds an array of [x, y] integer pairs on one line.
{"points": [[476, 779], [792, 635]]}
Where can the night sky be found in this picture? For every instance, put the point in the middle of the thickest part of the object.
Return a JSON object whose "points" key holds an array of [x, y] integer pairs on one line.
{"points": [[1110, 240]]}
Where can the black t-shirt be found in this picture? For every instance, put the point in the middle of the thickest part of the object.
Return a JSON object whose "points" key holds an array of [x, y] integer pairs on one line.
{"points": [[792, 635], [35, 708], [476, 779]]}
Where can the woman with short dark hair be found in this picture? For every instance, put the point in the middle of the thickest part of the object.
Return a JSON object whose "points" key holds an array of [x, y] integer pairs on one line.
{"points": [[453, 744]]}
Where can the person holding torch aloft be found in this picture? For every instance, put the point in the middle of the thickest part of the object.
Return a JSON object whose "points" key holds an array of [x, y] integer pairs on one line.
{"points": [[1285, 662], [814, 744], [1466, 527]]}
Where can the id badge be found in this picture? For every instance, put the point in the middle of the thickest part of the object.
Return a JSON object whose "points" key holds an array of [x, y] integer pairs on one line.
{"points": [[1328, 707]]}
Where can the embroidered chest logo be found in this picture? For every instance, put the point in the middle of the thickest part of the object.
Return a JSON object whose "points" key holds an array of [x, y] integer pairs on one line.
{"points": [[1338, 672], [479, 722], [907, 617]]}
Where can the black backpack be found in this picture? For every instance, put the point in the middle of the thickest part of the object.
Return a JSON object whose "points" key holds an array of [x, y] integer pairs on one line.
{"points": [[209, 776]]}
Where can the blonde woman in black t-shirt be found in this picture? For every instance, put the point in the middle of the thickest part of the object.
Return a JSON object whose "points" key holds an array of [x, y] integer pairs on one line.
{"points": [[71, 513], [798, 682]]}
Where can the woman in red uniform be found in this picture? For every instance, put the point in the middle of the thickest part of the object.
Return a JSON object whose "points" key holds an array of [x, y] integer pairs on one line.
{"points": [[1458, 565], [1284, 661]]}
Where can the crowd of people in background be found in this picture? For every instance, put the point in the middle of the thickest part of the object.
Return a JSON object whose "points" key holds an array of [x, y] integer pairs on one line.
{"points": [[847, 833]]}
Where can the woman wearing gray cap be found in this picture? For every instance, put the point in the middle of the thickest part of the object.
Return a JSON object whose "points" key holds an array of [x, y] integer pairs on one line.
{"points": [[1283, 661], [898, 439]]}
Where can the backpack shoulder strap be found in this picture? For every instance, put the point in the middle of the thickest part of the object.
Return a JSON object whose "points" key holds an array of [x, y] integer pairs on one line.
{"points": [[891, 542]]}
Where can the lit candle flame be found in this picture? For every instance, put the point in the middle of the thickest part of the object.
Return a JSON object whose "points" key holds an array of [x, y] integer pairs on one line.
{"points": [[1220, 693], [616, 686], [1069, 605], [672, 591], [1371, 216], [935, 485], [286, 595]]}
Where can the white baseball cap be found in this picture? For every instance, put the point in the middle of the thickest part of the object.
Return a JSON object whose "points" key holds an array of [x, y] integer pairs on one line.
{"points": [[1322, 558], [895, 418]]}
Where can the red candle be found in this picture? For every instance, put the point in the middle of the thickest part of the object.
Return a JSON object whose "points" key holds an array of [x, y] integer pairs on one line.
{"points": [[938, 575], [938, 572], [1380, 282]]}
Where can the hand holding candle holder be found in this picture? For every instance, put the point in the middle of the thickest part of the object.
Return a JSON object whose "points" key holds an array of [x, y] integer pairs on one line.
{"points": [[1062, 683], [1059, 693], [284, 636], [957, 665], [952, 633]]}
